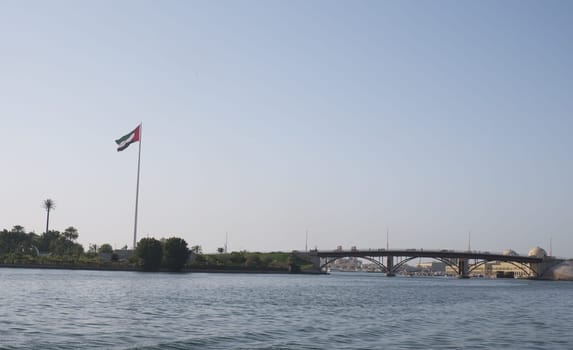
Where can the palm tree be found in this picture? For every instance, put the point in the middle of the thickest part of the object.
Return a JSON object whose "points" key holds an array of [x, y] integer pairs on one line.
{"points": [[18, 229], [48, 205], [71, 233]]}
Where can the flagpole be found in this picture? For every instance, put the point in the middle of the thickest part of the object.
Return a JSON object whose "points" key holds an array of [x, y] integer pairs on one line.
{"points": [[137, 188]]}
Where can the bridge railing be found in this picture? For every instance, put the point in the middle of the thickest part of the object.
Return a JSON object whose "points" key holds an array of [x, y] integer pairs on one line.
{"points": [[419, 250]]}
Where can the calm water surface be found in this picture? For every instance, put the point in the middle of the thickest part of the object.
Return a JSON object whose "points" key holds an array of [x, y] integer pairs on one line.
{"points": [[59, 309]]}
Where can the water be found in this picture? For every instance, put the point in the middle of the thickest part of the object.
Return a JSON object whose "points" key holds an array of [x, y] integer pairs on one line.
{"points": [[60, 309]]}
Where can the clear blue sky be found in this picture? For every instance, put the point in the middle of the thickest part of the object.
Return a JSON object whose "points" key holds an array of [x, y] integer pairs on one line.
{"points": [[265, 119]]}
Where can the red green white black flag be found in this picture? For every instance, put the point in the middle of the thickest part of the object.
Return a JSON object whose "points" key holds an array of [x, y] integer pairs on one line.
{"points": [[124, 141]]}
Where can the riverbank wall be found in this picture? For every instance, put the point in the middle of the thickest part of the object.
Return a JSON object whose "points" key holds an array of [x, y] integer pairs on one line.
{"points": [[222, 269]]}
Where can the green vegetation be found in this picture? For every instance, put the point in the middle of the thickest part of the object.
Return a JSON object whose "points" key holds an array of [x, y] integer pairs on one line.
{"points": [[60, 249], [20, 247], [171, 254], [150, 253], [105, 249], [242, 261], [175, 253], [17, 241], [297, 265]]}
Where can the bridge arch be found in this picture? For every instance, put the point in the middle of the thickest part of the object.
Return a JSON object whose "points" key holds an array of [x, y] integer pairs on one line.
{"points": [[459, 262], [524, 267], [453, 264], [380, 265], [402, 263], [448, 262]]}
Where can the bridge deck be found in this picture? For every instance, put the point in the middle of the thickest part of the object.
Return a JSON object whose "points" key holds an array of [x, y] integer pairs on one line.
{"points": [[422, 253]]}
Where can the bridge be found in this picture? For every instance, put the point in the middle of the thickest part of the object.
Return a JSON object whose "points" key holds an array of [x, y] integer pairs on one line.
{"points": [[462, 262]]}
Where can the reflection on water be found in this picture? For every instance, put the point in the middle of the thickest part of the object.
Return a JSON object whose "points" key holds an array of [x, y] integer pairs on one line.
{"points": [[60, 309]]}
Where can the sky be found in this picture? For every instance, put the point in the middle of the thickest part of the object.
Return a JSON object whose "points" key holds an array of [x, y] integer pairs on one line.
{"points": [[265, 120]]}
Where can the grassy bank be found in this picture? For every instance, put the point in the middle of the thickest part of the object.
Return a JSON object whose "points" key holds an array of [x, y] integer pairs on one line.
{"points": [[235, 262]]}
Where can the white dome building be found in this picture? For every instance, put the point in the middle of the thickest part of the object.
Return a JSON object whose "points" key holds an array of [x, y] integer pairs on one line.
{"points": [[510, 252], [537, 252]]}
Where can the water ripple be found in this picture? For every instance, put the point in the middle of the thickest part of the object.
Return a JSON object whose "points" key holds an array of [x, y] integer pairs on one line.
{"points": [[128, 310]]}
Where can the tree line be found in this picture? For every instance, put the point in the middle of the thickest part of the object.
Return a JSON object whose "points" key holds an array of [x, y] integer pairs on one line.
{"points": [[171, 253], [52, 246], [243, 261], [19, 246], [18, 241]]}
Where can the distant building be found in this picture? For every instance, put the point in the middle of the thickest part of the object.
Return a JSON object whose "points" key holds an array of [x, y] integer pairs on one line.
{"points": [[431, 268], [347, 264], [122, 255], [497, 269]]}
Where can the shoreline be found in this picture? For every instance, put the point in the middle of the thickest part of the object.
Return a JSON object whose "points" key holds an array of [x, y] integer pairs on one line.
{"points": [[137, 269]]}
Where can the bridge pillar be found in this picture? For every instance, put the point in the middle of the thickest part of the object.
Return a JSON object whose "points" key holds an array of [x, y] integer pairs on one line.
{"points": [[309, 257], [539, 269], [463, 268], [315, 260], [390, 266]]}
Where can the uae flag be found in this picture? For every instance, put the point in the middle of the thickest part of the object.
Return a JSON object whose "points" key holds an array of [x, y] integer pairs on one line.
{"points": [[125, 141]]}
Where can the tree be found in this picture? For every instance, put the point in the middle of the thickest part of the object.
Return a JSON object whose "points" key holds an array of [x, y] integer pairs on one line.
{"points": [[105, 248], [175, 254], [238, 258], [150, 253], [266, 261], [200, 259], [197, 249], [71, 233], [46, 239], [49, 205], [14, 241], [62, 246], [18, 229], [253, 261], [220, 250]]}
